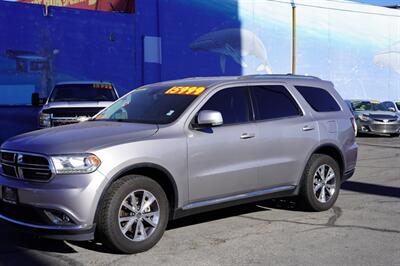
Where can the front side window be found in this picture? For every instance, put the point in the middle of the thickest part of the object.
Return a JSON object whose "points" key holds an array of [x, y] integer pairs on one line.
{"points": [[319, 99], [273, 101], [389, 105], [232, 103], [83, 93], [153, 105]]}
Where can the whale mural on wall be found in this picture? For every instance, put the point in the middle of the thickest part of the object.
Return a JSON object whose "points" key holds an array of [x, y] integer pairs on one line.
{"points": [[389, 58], [235, 43]]}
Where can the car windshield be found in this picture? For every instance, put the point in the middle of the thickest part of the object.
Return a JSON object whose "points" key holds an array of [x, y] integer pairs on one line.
{"points": [[398, 105], [152, 105], [83, 92], [368, 106]]}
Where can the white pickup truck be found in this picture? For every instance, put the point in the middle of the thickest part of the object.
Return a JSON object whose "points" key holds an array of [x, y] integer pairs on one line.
{"points": [[73, 102]]}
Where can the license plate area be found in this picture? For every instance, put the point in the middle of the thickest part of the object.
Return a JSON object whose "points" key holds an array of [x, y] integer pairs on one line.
{"points": [[9, 195]]}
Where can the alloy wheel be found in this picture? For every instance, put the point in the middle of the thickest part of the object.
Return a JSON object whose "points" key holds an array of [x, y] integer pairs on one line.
{"points": [[139, 215], [324, 183]]}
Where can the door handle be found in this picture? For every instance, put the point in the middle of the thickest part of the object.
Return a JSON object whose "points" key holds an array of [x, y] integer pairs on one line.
{"points": [[308, 128], [247, 135]]}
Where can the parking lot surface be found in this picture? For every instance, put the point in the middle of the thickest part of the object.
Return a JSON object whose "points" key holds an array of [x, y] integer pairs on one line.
{"points": [[362, 229]]}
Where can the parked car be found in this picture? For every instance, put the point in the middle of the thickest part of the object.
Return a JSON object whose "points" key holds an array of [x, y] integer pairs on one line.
{"points": [[175, 148], [73, 102], [373, 117], [393, 106]]}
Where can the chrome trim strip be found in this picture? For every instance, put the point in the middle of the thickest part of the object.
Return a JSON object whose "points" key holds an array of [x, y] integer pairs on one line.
{"points": [[237, 197], [46, 227]]}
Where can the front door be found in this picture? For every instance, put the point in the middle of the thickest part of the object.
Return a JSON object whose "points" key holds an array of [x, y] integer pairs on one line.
{"points": [[222, 160]]}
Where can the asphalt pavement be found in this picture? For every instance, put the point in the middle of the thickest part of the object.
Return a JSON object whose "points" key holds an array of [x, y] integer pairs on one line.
{"points": [[363, 228]]}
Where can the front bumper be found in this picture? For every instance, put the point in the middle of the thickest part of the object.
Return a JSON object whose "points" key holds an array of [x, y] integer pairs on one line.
{"points": [[376, 127], [75, 196]]}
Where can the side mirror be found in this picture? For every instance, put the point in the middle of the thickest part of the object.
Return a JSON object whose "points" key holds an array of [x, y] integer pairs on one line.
{"points": [[391, 109], [209, 118], [36, 100]]}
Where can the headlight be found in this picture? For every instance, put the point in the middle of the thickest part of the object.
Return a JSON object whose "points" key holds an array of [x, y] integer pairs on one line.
{"points": [[363, 117], [75, 164], [44, 120]]}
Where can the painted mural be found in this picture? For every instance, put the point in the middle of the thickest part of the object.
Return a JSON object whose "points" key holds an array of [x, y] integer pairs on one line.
{"points": [[126, 6], [356, 46]]}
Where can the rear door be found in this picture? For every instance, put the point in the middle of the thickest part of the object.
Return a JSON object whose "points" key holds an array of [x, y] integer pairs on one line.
{"points": [[286, 135], [222, 160]]}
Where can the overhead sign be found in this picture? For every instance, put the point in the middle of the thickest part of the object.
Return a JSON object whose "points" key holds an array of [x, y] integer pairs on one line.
{"points": [[126, 6]]}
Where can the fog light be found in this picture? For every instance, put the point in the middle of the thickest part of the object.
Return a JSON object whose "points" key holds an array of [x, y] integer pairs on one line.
{"points": [[57, 217]]}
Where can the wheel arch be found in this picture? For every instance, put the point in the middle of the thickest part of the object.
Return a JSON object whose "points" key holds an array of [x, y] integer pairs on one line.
{"points": [[328, 149], [154, 171], [332, 151]]}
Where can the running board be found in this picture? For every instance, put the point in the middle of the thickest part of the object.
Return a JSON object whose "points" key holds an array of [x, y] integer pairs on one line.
{"points": [[237, 197]]}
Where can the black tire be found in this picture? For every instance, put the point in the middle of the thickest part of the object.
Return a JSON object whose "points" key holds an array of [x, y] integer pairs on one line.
{"points": [[108, 228], [394, 135], [307, 196]]}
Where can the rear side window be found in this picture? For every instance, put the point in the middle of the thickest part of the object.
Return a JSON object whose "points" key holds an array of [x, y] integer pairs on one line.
{"points": [[319, 99], [232, 103], [273, 101]]}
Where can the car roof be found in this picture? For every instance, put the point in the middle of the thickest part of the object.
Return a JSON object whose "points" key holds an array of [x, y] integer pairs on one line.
{"points": [[211, 81], [362, 100], [83, 82]]}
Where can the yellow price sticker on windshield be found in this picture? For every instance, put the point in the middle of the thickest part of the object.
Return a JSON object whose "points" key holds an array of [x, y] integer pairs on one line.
{"points": [[102, 86], [195, 91], [375, 102]]}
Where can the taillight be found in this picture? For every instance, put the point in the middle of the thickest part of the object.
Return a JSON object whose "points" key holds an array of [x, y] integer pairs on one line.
{"points": [[354, 124]]}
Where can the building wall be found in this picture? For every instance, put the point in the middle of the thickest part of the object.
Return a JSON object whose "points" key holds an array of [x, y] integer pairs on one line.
{"points": [[356, 46]]}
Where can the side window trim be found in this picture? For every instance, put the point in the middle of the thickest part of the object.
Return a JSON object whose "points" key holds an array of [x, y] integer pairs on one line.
{"points": [[292, 98]]}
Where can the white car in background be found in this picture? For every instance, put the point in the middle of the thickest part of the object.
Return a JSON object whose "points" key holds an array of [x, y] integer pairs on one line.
{"points": [[73, 102]]}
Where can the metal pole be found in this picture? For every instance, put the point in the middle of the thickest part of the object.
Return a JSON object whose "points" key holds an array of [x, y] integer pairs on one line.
{"points": [[293, 37]]}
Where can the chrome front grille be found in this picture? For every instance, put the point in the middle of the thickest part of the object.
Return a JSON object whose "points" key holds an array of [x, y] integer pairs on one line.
{"points": [[26, 166], [61, 121], [383, 128]]}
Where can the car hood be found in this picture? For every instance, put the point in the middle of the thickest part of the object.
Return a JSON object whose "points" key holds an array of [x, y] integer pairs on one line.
{"points": [[378, 114], [79, 138], [77, 104]]}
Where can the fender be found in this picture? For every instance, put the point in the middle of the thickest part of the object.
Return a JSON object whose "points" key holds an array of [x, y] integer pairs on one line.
{"points": [[325, 145], [137, 166]]}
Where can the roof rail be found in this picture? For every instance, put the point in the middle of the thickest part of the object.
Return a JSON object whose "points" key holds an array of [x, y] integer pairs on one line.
{"points": [[211, 78], [278, 76]]}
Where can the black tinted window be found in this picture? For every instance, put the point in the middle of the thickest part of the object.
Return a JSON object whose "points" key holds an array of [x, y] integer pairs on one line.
{"points": [[319, 99], [83, 92], [232, 103], [389, 105], [273, 102]]}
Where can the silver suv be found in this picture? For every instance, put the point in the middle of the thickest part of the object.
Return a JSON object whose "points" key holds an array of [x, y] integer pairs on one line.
{"points": [[176, 148]]}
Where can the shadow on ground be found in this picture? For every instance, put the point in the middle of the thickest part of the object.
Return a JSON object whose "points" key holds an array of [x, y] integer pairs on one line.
{"points": [[15, 247], [372, 189], [16, 243]]}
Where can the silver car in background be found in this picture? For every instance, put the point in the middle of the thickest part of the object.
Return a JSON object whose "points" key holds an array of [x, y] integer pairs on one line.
{"points": [[171, 149], [373, 117]]}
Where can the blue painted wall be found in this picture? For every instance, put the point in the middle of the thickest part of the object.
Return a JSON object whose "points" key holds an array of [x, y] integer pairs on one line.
{"points": [[356, 46], [37, 51]]}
